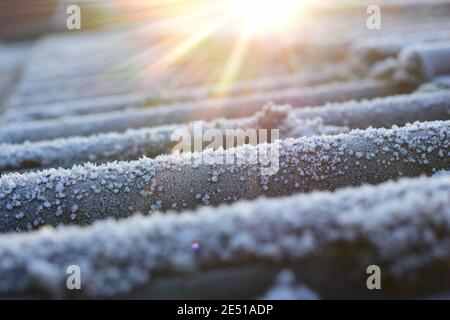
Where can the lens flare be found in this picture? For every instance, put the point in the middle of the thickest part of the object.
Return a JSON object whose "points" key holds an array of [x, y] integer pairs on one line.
{"points": [[262, 16]]}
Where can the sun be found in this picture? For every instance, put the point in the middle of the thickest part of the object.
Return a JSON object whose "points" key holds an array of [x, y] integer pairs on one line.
{"points": [[264, 15]]}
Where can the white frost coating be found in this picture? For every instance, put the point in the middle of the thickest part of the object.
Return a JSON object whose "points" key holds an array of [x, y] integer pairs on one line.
{"points": [[442, 173], [207, 110], [418, 63], [287, 288], [443, 82], [403, 226], [328, 119], [101, 148], [424, 62], [56, 74], [364, 53], [383, 112], [57, 55], [74, 107], [305, 164], [151, 142], [439, 83], [136, 100], [11, 57]]}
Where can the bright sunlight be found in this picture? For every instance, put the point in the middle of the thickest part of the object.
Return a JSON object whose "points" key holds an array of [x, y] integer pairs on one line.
{"points": [[265, 15]]}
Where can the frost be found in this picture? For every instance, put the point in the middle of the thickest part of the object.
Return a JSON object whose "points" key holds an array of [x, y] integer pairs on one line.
{"points": [[232, 108], [383, 112], [305, 164], [327, 119], [129, 145], [286, 288], [404, 225], [365, 53], [115, 102], [19, 215], [442, 173], [426, 61], [417, 63], [85, 144]]}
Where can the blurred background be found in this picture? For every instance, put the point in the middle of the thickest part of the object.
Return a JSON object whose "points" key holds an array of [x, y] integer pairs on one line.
{"points": [[131, 61], [154, 46]]}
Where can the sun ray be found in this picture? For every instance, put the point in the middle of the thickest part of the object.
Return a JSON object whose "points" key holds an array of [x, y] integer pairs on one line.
{"points": [[187, 45], [233, 64]]}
